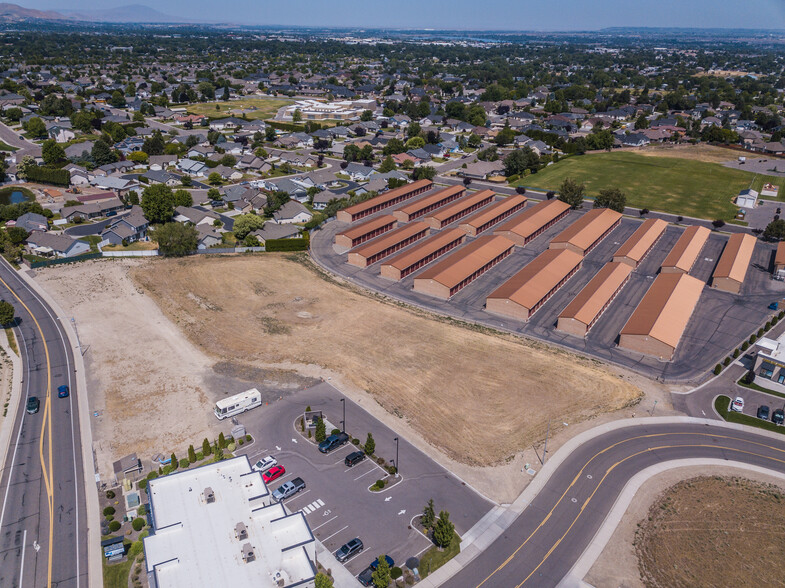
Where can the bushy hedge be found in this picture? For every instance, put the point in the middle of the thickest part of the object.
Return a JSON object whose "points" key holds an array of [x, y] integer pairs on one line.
{"points": [[284, 126], [287, 244], [138, 524], [48, 175]]}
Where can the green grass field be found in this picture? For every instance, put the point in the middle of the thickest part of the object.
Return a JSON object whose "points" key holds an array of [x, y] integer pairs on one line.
{"points": [[256, 108], [667, 184]]}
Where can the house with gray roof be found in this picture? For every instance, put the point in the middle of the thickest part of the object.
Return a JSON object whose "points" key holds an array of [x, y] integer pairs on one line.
{"points": [[292, 212], [129, 228], [53, 245], [272, 230], [32, 221]]}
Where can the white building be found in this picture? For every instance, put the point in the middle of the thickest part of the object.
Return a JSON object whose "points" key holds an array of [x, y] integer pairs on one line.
{"points": [[316, 110], [217, 525], [747, 199]]}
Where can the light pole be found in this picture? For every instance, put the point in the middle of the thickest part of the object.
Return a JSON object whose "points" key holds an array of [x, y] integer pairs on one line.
{"points": [[343, 422], [653, 407], [396, 456]]}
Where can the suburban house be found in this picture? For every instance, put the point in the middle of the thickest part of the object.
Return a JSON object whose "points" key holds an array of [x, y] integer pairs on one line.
{"points": [[163, 177], [359, 172], [120, 185], [292, 212], [276, 231], [129, 228], [322, 199], [52, 245], [481, 170], [31, 221], [161, 162], [92, 210], [192, 167], [195, 216]]}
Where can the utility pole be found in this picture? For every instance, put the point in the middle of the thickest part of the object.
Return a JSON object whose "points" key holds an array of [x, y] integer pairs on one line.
{"points": [[396, 457], [545, 449], [343, 422]]}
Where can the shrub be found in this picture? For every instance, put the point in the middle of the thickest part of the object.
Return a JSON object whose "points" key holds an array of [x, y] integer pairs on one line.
{"points": [[745, 346], [781, 314], [199, 456], [114, 526], [717, 369], [370, 445], [735, 353], [767, 326], [774, 320], [138, 524], [142, 510], [287, 244], [110, 494], [378, 485], [184, 463], [760, 332], [396, 573], [380, 460], [110, 518], [320, 434], [240, 441], [142, 484], [109, 510], [248, 438], [221, 440], [749, 377], [753, 338], [335, 431], [355, 441]]}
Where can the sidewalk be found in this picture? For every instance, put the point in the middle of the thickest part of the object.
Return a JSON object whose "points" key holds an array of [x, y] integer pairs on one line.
{"points": [[341, 576], [7, 424]]}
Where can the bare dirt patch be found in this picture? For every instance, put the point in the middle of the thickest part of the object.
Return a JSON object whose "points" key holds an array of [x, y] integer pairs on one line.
{"points": [[707, 153], [713, 531], [479, 397]]}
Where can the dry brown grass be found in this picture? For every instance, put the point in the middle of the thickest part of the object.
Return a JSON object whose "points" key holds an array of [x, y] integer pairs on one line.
{"points": [[714, 531], [479, 397], [707, 153]]}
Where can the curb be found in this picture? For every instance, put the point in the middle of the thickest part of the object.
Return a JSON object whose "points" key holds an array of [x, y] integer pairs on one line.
{"points": [[7, 428]]}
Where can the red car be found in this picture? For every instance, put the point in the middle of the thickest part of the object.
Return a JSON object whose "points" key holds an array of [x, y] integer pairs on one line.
{"points": [[273, 473]]}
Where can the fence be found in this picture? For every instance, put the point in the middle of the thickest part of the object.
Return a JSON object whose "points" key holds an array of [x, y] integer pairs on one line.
{"points": [[146, 253], [48, 262]]}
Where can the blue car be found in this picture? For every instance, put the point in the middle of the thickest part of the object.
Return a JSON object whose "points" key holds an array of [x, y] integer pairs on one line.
{"points": [[62, 391], [366, 576]]}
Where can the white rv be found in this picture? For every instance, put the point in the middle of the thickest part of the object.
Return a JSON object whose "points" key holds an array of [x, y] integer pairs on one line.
{"points": [[228, 407]]}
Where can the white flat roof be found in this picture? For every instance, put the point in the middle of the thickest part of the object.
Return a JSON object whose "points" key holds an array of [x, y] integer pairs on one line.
{"points": [[195, 543]]}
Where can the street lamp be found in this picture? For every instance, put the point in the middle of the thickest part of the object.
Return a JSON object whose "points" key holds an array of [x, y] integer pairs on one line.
{"points": [[396, 456], [343, 422]]}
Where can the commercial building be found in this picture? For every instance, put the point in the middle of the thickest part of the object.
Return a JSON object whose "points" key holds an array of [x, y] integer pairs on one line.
{"points": [[586, 233], [492, 215], [779, 261], [732, 267], [657, 324], [461, 268], [587, 307], [641, 242], [686, 251], [524, 293], [382, 201], [528, 225], [459, 209], [384, 246], [424, 253], [770, 363], [428, 203], [316, 110], [366, 231], [216, 525]]}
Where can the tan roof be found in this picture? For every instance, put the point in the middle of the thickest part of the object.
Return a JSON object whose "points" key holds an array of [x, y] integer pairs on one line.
{"points": [[592, 299], [736, 257], [538, 277], [779, 257], [532, 219], [496, 209], [424, 248], [587, 229], [642, 239], [387, 197], [368, 226], [468, 259], [387, 240], [463, 203], [687, 248], [426, 201], [665, 310]]}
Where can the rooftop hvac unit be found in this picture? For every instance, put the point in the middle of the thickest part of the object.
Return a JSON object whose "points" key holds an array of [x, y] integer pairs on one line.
{"points": [[241, 531], [248, 555], [209, 495]]}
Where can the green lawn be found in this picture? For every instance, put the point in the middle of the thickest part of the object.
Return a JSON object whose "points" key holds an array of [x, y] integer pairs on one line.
{"points": [[759, 180], [257, 108], [434, 558], [759, 388], [93, 240], [6, 147], [667, 184], [116, 574], [723, 402]]}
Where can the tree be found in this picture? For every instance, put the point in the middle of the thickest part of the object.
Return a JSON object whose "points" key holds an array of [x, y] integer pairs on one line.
{"points": [[215, 178], [182, 198], [425, 172], [444, 530], [132, 198], [428, 517], [23, 167], [17, 235], [370, 445], [206, 449], [36, 127], [381, 576], [186, 180], [505, 136], [221, 440], [366, 116], [612, 198], [323, 581], [467, 182], [102, 153], [14, 114], [387, 165], [191, 454], [718, 223], [415, 143], [7, 313], [297, 116], [52, 152], [641, 122], [270, 134], [247, 223], [393, 147], [117, 100], [520, 160], [572, 193], [175, 239], [154, 145], [173, 463], [775, 230], [320, 433], [138, 157], [158, 203], [474, 140]]}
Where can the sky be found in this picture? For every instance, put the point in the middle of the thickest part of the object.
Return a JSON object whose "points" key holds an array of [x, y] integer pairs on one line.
{"points": [[556, 15]]}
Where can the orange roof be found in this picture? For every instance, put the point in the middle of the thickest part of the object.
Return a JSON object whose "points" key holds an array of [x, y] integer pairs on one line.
{"points": [[687, 248], [587, 229], [368, 226], [642, 239], [538, 277], [424, 248], [531, 220], [592, 299], [665, 310], [387, 240], [463, 203], [779, 257], [429, 200], [496, 209], [460, 265], [736, 257], [387, 196]]}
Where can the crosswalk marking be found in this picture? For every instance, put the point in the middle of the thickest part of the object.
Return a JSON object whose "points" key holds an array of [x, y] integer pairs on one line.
{"points": [[308, 509], [319, 502]]}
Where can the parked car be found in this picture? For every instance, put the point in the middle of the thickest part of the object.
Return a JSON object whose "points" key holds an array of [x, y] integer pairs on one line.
{"points": [[33, 404], [62, 392], [288, 489], [763, 412], [778, 417], [366, 576], [349, 549], [354, 458], [265, 464], [333, 442], [273, 473], [738, 404]]}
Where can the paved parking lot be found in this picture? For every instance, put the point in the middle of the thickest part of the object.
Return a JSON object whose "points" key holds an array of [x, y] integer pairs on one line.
{"points": [[336, 501], [720, 321]]}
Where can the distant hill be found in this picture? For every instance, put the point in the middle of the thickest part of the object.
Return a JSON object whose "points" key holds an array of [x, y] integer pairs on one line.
{"points": [[16, 13], [132, 13]]}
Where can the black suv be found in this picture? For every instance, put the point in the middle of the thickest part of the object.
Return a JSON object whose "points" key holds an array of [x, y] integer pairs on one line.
{"points": [[349, 549], [333, 442], [354, 458], [778, 417], [763, 412]]}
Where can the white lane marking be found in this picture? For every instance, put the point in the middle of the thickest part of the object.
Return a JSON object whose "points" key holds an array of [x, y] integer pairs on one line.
{"points": [[334, 534], [319, 502], [324, 523], [22, 565], [306, 509], [365, 474]]}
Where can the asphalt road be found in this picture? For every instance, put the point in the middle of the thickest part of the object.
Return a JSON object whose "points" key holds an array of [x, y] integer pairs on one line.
{"points": [[43, 526], [11, 137]]}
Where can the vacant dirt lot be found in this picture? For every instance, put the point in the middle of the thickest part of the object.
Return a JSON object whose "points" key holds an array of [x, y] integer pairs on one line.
{"points": [[479, 397], [708, 153], [714, 531]]}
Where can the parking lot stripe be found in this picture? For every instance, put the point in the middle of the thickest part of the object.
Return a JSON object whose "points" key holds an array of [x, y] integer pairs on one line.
{"points": [[306, 509], [365, 474], [324, 523], [319, 502], [334, 534]]}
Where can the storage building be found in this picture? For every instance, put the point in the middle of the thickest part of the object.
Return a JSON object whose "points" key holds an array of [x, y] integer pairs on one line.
{"points": [[428, 203], [587, 307], [382, 201], [524, 293], [387, 244], [732, 267], [532, 222], [494, 214], [424, 253], [641, 242], [459, 209], [779, 259], [686, 251], [586, 233], [658, 323], [461, 268], [366, 231]]}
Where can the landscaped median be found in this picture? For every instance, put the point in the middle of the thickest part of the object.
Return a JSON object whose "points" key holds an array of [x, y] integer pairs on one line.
{"points": [[722, 406]]}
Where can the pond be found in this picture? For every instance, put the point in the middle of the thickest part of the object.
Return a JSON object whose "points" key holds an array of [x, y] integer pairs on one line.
{"points": [[14, 196]]}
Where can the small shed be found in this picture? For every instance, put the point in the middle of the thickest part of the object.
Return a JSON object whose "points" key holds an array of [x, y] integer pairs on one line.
{"points": [[747, 199], [130, 464]]}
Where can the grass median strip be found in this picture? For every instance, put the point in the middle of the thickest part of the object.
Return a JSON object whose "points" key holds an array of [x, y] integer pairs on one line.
{"points": [[755, 386], [434, 558], [722, 405]]}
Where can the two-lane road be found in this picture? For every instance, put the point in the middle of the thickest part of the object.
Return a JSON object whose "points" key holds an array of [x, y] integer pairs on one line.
{"points": [[42, 500]]}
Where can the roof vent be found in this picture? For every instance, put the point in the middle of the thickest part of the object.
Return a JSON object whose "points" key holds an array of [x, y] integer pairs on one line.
{"points": [[209, 495], [248, 554], [241, 531]]}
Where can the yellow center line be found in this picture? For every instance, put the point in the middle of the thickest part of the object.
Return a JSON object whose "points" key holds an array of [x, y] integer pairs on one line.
{"points": [[45, 433]]}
